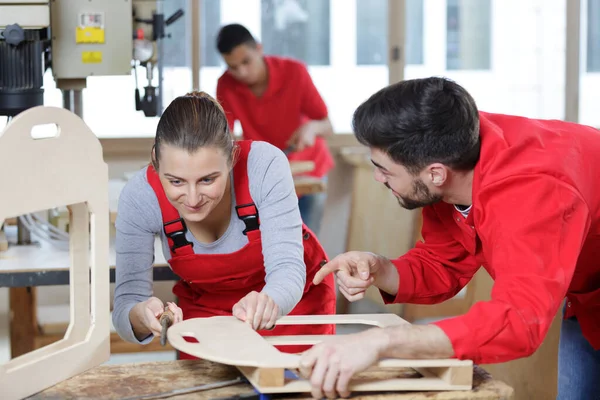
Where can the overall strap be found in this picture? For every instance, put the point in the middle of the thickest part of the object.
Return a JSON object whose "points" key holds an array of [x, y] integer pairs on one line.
{"points": [[245, 207], [173, 225]]}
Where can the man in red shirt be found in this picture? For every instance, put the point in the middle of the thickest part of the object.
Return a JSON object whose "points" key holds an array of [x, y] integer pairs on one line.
{"points": [[275, 100], [518, 196]]}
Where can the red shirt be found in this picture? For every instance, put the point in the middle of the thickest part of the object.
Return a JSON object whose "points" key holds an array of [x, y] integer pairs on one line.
{"points": [[534, 226], [290, 100]]}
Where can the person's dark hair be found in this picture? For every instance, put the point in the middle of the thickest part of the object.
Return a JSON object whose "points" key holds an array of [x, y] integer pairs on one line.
{"points": [[231, 36], [191, 122], [421, 121]]}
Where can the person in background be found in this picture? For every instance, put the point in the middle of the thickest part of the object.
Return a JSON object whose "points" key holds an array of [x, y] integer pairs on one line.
{"points": [[227, 216], [276, 101]]}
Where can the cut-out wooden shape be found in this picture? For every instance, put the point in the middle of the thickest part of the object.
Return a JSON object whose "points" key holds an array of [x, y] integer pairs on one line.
{"points": [[42, 173], [227, 340]]}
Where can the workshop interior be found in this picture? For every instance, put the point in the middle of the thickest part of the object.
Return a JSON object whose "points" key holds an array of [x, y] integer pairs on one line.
{"points": [[117, 64]]}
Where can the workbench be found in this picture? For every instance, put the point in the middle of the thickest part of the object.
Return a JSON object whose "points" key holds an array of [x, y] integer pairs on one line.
{"points": [[137, 379]]}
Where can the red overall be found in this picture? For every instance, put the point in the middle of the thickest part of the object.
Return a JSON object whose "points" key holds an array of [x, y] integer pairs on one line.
{"points": [[212, 283]]}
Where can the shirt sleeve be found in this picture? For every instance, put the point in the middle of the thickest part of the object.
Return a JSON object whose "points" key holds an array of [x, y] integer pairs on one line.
{"points": [[436, 269], [222, 99], [313, 106], [272, 188], [134, 245], [532, 241]]}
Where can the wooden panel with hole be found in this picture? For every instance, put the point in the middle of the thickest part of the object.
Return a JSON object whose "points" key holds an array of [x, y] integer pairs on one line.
{"points": [[47, 180], [227, 340]]}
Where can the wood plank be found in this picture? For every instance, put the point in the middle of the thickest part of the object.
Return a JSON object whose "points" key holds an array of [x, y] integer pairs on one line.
{"points": [[23, 328], [301, 167], [140, 379], [10, 221], [308, 185]]}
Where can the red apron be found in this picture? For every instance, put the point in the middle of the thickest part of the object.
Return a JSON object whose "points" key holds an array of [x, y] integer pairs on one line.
{"points": [[212, 283]]}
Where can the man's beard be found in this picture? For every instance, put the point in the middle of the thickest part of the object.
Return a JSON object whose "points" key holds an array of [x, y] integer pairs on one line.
{"points": [[421, 196]]}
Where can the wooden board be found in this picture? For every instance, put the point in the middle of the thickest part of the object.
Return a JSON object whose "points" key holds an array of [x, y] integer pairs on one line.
{"points": [[227, 340], [120, 381], [301, 167], [63, 170]]}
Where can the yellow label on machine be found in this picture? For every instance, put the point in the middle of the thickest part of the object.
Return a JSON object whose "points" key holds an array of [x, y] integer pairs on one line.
{"points": [[91, 57], [89, 34]]}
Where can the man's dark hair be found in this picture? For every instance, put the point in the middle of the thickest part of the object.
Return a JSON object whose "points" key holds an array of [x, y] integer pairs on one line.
{"points": [[421, 121], [231, 36]]}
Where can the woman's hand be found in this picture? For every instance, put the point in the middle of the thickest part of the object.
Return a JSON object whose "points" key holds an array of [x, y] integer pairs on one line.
{"points": [[145, 315], [258, 310]]}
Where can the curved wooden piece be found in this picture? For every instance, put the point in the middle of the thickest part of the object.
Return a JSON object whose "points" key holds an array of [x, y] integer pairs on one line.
{"points": [[40, 174], [227, 340]]}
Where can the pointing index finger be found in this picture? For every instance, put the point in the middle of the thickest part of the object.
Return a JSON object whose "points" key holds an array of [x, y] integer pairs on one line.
{"points": [[332, 266]]}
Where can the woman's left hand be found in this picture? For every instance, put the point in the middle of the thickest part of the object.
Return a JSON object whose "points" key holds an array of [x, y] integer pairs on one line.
{"points": [[258, 310]]}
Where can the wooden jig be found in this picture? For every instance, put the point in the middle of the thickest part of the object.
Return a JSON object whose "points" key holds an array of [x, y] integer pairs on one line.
{"points": [[38, 174], [227, 340]]}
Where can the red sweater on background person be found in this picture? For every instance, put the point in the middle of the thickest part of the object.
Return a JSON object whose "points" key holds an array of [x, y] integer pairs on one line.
{"points": [[534, 226], [289, 100]]}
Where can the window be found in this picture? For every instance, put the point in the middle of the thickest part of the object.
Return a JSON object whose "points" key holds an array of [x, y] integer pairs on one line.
{"points": [[372, 31], [210, 23], [593, 36], [175, 44], [468, 39], [297, 29]]}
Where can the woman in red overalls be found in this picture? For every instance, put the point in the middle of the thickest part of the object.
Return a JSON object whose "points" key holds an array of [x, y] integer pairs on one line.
{"points": [[226, 284]]}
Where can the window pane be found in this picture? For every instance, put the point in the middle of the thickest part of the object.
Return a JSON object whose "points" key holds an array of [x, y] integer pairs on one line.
{"points": [[371, 32], [468, 40], [210, 23], [297, 29], [593, 36], [175, 47], [414, 31]]}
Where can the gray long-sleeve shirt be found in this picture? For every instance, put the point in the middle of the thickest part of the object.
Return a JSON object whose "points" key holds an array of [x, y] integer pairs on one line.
{"points": [[139, 220]]}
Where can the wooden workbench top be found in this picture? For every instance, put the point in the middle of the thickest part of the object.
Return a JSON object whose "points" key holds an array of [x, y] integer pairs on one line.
{"points": [[139, 379]]}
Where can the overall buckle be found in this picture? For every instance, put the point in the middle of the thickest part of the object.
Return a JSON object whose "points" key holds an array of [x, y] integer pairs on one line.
{"points": [[177, 236], [251, 221]]}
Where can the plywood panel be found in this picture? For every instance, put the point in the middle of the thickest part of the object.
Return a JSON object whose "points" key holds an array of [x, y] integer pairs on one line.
{"points": [[227, 340], [64, 169]]}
